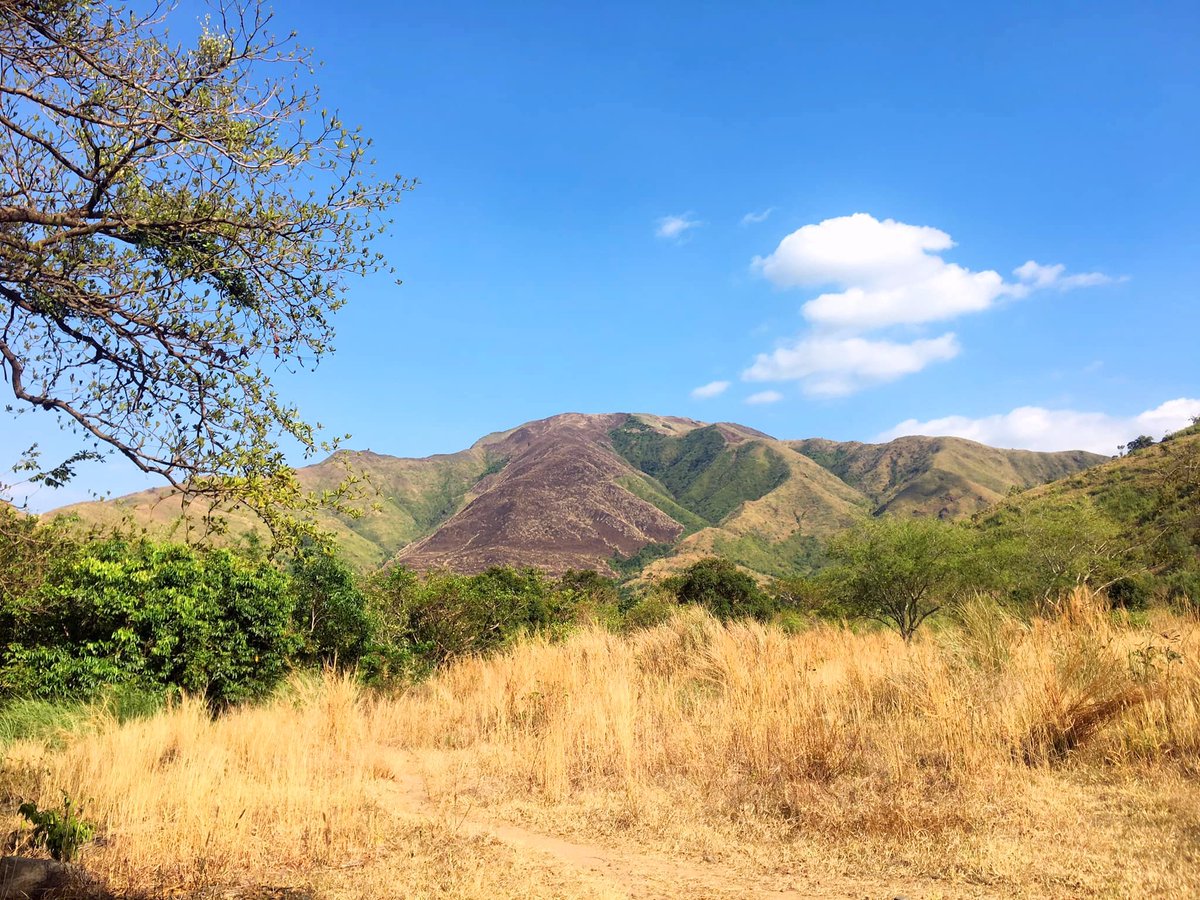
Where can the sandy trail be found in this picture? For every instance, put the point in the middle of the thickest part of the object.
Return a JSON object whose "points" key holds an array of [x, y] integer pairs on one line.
{"points": [[617, 872]]}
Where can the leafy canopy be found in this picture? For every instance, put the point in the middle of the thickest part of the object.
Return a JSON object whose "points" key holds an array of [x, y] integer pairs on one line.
{"points": [[149, 615], [178, 219], [900, 571]]}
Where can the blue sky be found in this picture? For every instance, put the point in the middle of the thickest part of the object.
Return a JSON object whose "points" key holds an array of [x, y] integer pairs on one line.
{"points": [[822, 206]]}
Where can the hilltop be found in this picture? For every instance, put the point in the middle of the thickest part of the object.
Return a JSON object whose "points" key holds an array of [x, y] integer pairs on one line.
{"points": [[635, 491]]}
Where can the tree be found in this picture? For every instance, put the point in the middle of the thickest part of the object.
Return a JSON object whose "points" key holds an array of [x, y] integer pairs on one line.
{"points": [[330, 612], [176, 220], [900, 571], [724, 589], [151, 615], [1141, 442]]}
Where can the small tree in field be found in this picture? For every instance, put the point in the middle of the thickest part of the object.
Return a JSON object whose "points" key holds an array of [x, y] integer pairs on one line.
{"points": [[178, 218], [900, 571], [1141, 442], [723, 589]]}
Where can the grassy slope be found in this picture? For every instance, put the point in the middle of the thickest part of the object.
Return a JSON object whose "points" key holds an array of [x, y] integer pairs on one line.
{"points": [[1153, 493], [402, 500], [1135, 473], [939, 476], [739, 494], [781, 531], [704, 471]]}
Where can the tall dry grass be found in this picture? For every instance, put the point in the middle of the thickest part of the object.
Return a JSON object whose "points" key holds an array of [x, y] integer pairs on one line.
{"points": [[1049, 758]]}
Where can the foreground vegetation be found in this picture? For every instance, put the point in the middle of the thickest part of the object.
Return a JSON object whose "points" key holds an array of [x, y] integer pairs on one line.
{"points": [[1006, 705], [1054, 756]]}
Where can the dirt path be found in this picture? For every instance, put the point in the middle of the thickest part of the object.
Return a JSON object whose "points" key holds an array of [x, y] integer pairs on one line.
{"points": [[639, 876]]}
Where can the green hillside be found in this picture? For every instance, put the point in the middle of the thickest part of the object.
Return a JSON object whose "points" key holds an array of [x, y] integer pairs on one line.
{"points": [[944, 476], [700, 471], [1153, 496], [639, 493]]}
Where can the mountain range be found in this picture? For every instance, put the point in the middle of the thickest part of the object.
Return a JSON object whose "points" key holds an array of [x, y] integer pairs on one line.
{"points": [[634, 493]]}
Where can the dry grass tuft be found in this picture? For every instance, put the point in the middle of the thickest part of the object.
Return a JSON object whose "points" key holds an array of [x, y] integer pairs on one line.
{"points": [[1050, 758]]}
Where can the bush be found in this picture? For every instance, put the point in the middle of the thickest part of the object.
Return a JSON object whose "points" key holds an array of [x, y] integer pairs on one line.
{"points": [[648, 612], [63, 833], [723, 589], [588, 598], [1183, 590], [792, 621], [1038, 551], [441, 615], [330, 612], [807, 596], [158, 616], [29, 551], [1132, 593]]}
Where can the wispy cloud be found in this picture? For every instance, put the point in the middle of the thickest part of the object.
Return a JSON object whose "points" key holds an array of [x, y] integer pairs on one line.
{"points": [[712, 389], [1035, 276], [1037, 428], [763, 397], [673, 228], [880, 276], [833, 366], [754, 218]]}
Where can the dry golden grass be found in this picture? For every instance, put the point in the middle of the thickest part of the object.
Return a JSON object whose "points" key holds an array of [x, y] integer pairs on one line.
{"points": [[993, 758]]}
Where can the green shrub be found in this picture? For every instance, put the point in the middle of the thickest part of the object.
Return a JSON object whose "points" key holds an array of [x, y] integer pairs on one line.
{"points": [[792, 621], [330, 612], [1131, 592], [587, 584], [1035, 551], [648, 612], [808, 595], [63, 833], [440, 616], [154, 616], [29, 550], [723, 589], [1183, 590], [588, 598]]}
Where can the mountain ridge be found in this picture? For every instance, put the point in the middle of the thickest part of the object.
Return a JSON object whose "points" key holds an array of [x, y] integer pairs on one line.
{"points": [[581, 490]]}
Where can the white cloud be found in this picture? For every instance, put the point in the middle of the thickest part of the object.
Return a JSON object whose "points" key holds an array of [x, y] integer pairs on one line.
{"points": [[1036, 428], [712, 389], [764, 397], [1035, 276], [881, 275], [673, 228], [946, 293], [853, 250], [832, 365], [891, 273], [754, 218]]}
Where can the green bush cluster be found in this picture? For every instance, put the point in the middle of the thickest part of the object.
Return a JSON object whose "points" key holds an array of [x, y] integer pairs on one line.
{"points": [[124, 620], [120, 622], [433, 618], [161, 616]]}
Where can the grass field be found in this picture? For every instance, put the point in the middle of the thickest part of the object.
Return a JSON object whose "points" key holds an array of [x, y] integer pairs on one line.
{"points": [[994, 757]]}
